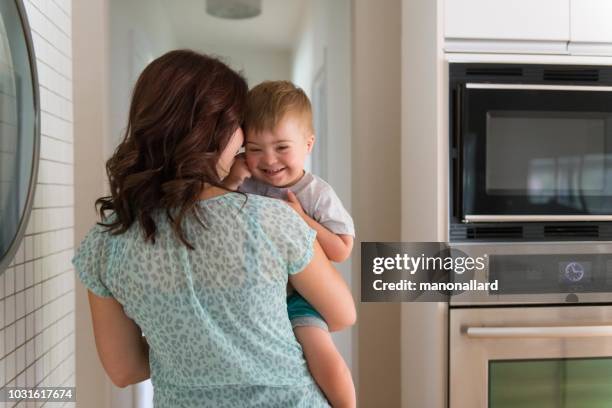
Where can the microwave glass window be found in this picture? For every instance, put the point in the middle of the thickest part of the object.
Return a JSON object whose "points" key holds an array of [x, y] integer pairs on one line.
{"points": [[555, 383], [548, 154]]}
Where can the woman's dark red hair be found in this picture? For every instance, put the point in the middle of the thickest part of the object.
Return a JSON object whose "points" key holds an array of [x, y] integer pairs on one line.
{"points": [[185, 108]]}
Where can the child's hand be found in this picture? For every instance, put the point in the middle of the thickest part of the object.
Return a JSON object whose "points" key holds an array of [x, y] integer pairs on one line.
{"points": [[294, 203], [238, 173]]}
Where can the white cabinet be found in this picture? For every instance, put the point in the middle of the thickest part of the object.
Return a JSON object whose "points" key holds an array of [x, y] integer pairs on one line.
{"points": [[516, 25], [591, 27]]}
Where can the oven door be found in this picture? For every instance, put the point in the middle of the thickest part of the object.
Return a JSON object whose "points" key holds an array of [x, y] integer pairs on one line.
{"points": [[549, 357], [534, 152]]}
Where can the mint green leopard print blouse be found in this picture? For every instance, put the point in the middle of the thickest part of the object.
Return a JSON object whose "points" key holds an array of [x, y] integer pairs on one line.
{"points": [[216, 317]]}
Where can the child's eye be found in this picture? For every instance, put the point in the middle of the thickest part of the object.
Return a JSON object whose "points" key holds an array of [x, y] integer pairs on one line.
{"points": [[253, 150], [283, 147]]}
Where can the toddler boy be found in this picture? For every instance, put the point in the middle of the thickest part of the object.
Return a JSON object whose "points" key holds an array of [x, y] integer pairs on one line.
{"points": [[278, 137]]}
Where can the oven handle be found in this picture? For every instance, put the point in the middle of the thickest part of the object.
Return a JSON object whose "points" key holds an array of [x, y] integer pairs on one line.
{"points": [[540, 331], [539, 87]]}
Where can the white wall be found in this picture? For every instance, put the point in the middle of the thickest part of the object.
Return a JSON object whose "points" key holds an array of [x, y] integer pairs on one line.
{"points": [[91, 79], [376, 166], [139, 33], [37, 339], [256, 65], [302, 70], [424, 152], [323, 47]]}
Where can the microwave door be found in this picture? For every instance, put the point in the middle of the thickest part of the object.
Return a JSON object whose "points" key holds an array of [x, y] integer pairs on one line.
{"points": [[534, 153]]}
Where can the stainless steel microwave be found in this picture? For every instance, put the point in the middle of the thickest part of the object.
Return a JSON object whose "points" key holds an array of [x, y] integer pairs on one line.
{"points": [[530, 152]]}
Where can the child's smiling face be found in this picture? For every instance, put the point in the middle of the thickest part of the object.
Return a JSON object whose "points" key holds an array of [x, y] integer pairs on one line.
{"points": [[277, 156]]}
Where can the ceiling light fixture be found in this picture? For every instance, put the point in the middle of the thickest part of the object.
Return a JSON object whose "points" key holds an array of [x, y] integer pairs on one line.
{"points": [[233, 9]]}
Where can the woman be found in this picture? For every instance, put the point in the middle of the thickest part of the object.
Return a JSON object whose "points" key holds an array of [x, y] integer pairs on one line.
{"points": [[198, 270]]}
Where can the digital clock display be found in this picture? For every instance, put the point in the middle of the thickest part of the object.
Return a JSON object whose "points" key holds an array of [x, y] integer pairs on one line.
{"points": [[574, 272]]}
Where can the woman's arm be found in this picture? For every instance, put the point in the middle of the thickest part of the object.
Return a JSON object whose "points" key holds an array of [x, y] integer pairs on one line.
{"points": [[323, 286], [123, 351]]}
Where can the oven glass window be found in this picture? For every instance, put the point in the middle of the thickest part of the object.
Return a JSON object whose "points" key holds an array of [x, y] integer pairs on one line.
{"points": [[547, 154], [555, 383]]}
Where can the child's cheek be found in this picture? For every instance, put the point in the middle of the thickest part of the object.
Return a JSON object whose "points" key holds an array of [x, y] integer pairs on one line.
{"points": [[251, 162]]}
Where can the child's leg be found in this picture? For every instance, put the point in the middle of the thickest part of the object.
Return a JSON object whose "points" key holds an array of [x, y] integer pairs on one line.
{"points": [[327, 366], [324, 361]]}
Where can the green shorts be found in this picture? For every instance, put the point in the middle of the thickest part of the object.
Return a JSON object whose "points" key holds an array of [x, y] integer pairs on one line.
{"points": [[301, 313]]}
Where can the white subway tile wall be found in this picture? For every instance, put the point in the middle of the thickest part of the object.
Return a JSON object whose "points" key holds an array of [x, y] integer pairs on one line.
{"points": [[37, 337]]}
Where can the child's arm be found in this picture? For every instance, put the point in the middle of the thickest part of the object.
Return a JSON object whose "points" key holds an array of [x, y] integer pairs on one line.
{"points": [[337, 247], [237, 174]]}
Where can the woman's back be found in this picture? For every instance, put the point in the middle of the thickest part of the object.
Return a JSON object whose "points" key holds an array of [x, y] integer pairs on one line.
{"points": [[215, 317]]}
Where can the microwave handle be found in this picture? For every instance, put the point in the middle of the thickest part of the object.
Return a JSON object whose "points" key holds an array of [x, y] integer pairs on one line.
{"points": [[536, 218], [539, 332], [457, 146], [539, 87]]}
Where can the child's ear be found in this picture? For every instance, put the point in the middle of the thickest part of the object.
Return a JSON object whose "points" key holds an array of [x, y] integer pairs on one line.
{"points": [[310, 141]]}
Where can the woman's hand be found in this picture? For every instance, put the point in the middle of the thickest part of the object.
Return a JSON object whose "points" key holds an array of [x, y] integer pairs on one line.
{"points": [[238, 173], [295, 203]]}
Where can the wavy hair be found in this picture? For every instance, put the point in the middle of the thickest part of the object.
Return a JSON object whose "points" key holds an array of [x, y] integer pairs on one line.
{"points": [[185, 108]]}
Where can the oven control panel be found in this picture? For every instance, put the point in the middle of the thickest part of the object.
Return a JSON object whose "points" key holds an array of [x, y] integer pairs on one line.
{"points": [[558, 273]]}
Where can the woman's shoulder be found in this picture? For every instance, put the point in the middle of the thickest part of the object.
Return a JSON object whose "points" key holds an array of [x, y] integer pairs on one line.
{"points": [[93, 258], [100, 231], [281, 223], [272, 210], [249, 202], [263, 201], [271, 215], [105, 240]]}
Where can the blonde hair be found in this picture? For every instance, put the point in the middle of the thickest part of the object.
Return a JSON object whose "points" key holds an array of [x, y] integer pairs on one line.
{"points": [[270, 101]]}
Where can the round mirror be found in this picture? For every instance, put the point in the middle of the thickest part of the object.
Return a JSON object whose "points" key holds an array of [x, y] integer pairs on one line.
{"points": [[19, 127]]}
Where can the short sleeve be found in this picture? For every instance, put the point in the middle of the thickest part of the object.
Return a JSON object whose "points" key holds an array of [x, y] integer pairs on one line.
{"points": [[300, 241], [330, 213], [290, 234], [302, 248], [91, 260]]}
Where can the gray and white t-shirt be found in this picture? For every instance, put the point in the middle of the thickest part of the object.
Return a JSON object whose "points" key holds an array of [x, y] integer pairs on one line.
{"points": [[318, 199]]}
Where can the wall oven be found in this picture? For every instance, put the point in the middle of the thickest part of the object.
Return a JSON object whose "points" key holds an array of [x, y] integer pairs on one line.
{"points": [[544, 338], [546, 357], [530, 152]]}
